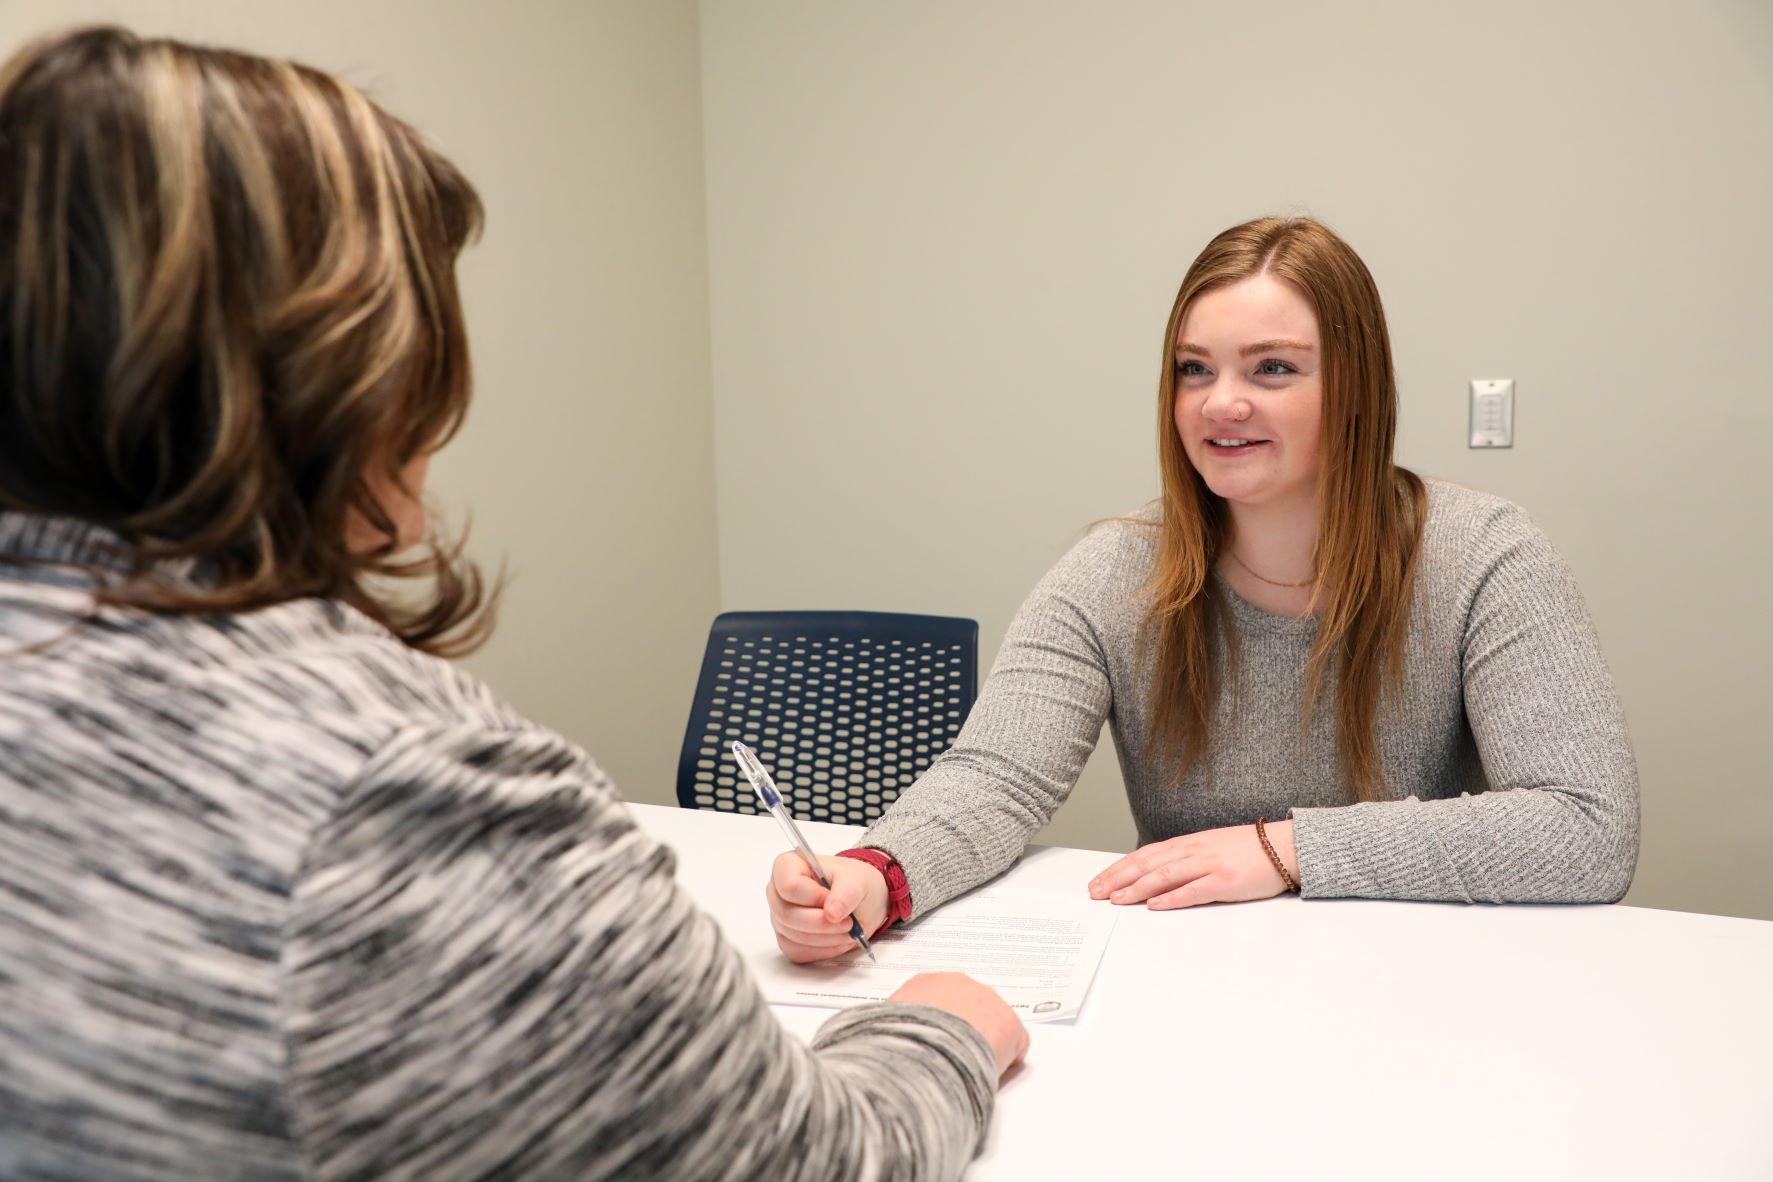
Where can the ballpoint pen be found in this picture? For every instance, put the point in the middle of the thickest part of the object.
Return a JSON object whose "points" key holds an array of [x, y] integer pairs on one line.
{"points": [[772, 801]]}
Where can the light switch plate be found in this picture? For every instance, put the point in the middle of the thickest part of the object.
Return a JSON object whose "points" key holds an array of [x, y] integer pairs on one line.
{"points": [[1492, 412]]}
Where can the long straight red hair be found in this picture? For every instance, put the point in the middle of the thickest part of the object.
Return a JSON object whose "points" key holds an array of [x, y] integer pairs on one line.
{"points": [[1369, 518]]}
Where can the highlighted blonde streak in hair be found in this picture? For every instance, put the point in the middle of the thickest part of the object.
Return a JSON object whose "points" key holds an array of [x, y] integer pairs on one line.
{"points": [[228, 309]]}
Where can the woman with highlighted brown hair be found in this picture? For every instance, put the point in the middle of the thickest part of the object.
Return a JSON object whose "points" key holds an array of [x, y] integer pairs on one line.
{"points": [[1324, 674], [287, 896]]}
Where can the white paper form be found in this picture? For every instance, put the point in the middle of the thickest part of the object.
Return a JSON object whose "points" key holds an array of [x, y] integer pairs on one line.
{"points": [[1039, 952]]}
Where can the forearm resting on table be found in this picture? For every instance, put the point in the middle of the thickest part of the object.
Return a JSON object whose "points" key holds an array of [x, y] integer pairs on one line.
{"points": [[1523, 845]]}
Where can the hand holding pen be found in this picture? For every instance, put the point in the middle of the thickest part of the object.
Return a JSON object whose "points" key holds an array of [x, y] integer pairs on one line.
{"points": [[808, 926], [816, 937]]}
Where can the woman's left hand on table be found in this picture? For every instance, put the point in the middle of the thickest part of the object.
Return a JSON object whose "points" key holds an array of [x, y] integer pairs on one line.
{"points": [[1213, 866]]}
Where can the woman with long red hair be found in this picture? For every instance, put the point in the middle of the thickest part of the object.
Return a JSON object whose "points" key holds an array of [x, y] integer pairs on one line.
{"points": [[1324, 674]]}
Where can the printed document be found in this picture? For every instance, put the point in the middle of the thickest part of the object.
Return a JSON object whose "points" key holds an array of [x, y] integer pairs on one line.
{"points": [[1039, 951]]}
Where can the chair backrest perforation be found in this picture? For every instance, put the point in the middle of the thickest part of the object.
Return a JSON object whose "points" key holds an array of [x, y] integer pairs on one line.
{"points": [[847, 709]]}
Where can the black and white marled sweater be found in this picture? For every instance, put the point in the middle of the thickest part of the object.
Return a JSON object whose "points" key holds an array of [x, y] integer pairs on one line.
{"points": [[285, 899]]}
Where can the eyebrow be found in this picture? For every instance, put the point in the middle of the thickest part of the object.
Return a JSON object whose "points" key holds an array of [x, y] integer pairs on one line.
{"points": [[1248, 350]]}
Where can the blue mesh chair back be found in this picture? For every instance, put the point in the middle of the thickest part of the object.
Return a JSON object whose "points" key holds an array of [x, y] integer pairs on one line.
{"points": [[845, 709]]}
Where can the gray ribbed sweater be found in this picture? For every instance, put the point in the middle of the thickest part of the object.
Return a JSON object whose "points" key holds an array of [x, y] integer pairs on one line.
{"points": [[283, 899], [1507, 755]]}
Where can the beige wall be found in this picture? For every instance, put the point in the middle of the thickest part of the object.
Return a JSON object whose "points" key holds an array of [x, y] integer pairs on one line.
{"points": [[588, 457], [943, 240], [940, 241]]}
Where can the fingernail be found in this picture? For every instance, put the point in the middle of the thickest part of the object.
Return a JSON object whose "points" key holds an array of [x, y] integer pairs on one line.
{"points": [[1118, 896]]}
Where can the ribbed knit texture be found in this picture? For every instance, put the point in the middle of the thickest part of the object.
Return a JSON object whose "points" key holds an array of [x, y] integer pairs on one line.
{"points": [[284, 899], [1506, 756]]}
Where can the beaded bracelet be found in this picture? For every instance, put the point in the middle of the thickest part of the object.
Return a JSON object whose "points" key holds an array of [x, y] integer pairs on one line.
{"points": [[1262, 836]]}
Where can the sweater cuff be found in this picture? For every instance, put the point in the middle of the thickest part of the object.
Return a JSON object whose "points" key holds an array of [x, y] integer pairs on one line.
{"points": [[1325, 845], [1372, 850], [939, 858], [920, 1030]]}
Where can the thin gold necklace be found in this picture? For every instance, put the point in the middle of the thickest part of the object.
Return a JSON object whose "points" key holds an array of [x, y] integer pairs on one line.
{"points": [[1270, 582]]}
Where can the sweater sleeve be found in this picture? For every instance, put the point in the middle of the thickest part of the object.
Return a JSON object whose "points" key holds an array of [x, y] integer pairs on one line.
{"points": [[1024, 745], [490, 972], [1559, 823]]}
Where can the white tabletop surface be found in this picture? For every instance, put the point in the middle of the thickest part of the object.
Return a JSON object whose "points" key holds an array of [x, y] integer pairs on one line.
{"points": [[1352, 1039]]}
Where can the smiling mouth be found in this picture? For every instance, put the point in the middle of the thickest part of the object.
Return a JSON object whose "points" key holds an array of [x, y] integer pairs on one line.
{"points": [[1235, 444]]}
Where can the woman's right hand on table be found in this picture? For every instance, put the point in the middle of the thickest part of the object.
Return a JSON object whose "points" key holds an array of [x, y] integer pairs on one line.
{"points": [[813, 923]]}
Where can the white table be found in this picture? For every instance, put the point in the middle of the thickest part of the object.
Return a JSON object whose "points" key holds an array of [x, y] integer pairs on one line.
{"points": [[1350, 1039]]}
